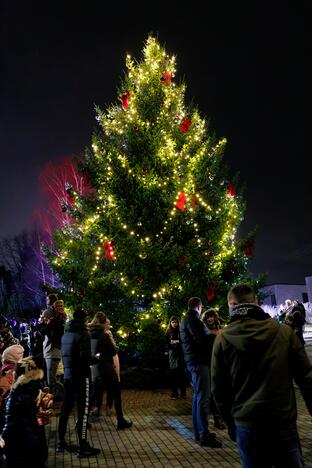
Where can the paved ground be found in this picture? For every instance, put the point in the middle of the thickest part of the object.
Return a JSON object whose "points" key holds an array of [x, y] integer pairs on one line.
{"points": [[160, 437]]}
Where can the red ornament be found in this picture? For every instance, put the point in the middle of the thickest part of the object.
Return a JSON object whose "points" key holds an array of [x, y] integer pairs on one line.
{"points": [[211, 291], [181, 202], [125, 100], [249, 249], [231, 190], [166, 78], [109, 250], [185, 125]]}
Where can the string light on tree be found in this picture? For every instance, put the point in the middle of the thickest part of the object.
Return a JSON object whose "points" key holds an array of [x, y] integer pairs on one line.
{"points": [[161, 194]]}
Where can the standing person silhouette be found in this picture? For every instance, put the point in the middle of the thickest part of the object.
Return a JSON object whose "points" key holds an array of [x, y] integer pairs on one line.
{"points": [[176, 360], [197, 344], [254, 362], [105, 372], [77, 359]]}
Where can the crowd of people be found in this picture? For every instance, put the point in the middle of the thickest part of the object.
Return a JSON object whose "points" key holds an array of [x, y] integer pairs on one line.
{"points": [[72, 361], [241, 373]]}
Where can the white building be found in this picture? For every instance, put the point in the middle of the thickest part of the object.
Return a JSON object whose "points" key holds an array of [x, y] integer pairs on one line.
{"points": [[276, 295]]}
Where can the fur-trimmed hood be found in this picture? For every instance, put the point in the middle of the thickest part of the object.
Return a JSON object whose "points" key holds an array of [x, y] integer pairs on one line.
{"points": [[27, 371]]}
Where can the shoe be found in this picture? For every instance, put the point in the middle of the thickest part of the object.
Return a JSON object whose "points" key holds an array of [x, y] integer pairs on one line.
{"points": [[174, 396], [87, 451], [124, 424], [210, 441], [61, 446], [219, 424]]}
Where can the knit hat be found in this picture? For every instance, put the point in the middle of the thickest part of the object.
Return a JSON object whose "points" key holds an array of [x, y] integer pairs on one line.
{"points": [[13, 354]]}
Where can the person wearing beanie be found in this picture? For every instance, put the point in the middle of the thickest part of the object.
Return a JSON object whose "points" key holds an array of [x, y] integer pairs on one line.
{"points": [[254, 363], [25, 442], [12, 354], [77, 359], [10, 357]]}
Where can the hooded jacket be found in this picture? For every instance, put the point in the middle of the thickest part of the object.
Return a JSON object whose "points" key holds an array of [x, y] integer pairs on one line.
{"points": [[254, 362]]}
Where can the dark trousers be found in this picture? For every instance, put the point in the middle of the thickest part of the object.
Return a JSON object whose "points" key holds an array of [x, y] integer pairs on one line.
{"points": [[178, 381], [109, 380], [266, 448], [75, 390]]}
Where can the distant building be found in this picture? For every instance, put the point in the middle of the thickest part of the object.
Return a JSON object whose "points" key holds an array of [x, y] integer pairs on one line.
{"points": [[276, 294]]}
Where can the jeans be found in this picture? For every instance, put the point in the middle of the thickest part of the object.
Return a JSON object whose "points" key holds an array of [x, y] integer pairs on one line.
{"points": [[51, 366], [200, 376], [266, 448]]}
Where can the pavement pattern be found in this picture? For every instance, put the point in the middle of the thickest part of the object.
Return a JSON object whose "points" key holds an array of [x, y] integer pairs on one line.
{"points": [[161, 436]]}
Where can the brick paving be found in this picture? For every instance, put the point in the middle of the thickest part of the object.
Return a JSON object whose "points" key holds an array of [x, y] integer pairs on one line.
{"points": [[161, 436]]}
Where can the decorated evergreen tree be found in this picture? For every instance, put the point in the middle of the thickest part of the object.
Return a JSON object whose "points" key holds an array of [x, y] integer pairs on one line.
{"points": [[158, 223]]}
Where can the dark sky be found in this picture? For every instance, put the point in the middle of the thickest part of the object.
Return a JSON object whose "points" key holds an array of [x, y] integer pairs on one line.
{"points": [[245, 69]]}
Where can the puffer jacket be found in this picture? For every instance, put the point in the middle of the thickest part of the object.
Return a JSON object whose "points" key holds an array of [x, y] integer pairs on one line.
{"points": [[196, 340], [76, 350], [254, 362], [24, 438]]}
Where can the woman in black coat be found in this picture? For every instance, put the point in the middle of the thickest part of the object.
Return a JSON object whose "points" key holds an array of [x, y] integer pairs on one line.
{"points": [[24, 437], [105, 373]]}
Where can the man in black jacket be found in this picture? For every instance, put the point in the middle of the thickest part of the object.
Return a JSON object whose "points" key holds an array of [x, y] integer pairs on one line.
{"points": [[197, 347], [77, 359]]}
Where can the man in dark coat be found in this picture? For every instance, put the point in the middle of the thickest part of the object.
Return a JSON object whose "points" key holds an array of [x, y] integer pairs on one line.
{"points": [[254, 362], [197, 347], [77, 359]]}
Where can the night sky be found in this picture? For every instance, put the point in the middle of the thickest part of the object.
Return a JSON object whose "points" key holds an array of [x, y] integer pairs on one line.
{"points": [[245, 69]]}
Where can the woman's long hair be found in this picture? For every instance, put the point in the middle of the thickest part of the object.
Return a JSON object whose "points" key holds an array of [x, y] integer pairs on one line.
{"points": [[99, 319]]}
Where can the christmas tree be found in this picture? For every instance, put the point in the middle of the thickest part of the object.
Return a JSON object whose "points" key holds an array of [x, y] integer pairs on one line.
{"points": [[158, 222]]}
